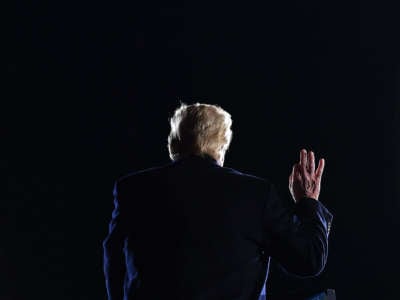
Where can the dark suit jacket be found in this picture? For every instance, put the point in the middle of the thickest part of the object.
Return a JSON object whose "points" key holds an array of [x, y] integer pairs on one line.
{"points": [[192, 230]]}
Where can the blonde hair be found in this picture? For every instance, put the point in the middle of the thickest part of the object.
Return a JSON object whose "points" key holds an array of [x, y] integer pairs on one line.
{"points": [[199, 129]]}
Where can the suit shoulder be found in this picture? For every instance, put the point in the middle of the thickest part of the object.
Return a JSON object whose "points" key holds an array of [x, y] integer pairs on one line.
{"points": [[246, 176], [141, 174]]}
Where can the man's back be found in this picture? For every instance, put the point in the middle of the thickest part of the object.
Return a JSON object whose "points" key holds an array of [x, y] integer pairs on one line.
{"points": [[195, 230]]}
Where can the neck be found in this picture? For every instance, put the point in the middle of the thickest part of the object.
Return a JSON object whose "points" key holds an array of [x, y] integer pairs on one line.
{"points": [[220, 160]]}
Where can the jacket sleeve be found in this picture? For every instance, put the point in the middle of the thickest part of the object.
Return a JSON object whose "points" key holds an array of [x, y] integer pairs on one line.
{"points": [[297, 237], [113, 247]]}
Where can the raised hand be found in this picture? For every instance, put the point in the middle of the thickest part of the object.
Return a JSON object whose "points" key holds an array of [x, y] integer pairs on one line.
{"points": [[305, 181]]}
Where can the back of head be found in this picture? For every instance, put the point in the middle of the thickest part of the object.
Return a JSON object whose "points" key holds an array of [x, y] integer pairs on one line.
{"points": [[199, 129]]}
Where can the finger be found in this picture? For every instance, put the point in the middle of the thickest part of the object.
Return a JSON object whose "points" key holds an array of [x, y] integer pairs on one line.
{"points": [[298, 172], [293, 170], [311, 162], [303, 161], [320, 169], [291, 177], [303, 156]]}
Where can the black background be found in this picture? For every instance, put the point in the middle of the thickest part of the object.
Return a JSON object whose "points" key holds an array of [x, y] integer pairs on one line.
{"points": [[90, 87]]}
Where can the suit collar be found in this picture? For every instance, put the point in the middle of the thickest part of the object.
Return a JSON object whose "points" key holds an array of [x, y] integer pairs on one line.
{"points": [[197, 159]]}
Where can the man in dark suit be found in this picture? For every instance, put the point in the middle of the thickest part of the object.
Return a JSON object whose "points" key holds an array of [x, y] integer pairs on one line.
{"points": [[195, 230]]}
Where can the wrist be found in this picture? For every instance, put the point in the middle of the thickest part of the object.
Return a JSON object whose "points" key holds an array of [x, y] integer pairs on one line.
{"points": [[306, 195], [311, 195]]}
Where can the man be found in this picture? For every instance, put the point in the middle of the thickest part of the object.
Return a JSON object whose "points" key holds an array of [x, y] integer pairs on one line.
{"points": [[195, 230]]}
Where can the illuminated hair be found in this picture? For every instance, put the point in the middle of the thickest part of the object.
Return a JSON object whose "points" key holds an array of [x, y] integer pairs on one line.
{"points": [[199, 129]]}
